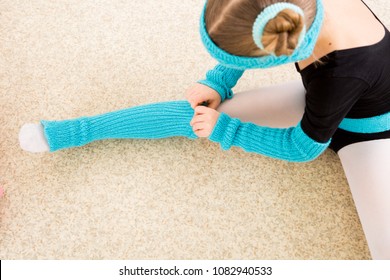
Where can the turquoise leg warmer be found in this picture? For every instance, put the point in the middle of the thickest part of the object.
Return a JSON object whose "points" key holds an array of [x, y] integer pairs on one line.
{"points": [[151, 121]]}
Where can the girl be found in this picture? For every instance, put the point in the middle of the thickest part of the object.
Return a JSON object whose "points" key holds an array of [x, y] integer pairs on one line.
{"points": [[341, 51]]}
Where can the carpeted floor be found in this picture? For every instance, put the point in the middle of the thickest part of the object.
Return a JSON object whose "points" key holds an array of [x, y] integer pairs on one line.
{"points": [[143, 199]]}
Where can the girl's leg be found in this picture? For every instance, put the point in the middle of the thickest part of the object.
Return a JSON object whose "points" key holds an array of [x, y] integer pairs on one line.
{"points": [[278, 106], [281, 105], [367, 168], [151, 121]]}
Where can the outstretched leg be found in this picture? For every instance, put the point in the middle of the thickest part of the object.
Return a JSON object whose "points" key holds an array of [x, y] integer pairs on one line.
{"points": [[151, 121], [367, 168], [276, 106]]}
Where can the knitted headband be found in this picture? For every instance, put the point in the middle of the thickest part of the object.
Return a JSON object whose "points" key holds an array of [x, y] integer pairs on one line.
{"points": [[303, 50]]}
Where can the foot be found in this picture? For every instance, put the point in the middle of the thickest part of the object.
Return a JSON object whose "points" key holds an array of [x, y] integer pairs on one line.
{"points": [[32, 139]]}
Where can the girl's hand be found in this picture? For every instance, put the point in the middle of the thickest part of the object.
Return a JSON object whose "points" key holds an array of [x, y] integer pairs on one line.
{"points": [[204, 121], [203, 95]]}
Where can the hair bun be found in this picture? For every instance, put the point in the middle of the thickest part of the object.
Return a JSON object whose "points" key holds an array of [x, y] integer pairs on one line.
{"points": [[281, 34]]}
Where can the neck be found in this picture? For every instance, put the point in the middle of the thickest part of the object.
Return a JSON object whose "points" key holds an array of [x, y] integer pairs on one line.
{"points": [[323, 45], [344, 30]]}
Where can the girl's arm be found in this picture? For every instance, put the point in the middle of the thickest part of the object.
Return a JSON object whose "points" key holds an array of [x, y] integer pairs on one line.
{"points": [[222, 79], [291, 144], [328, 100]]}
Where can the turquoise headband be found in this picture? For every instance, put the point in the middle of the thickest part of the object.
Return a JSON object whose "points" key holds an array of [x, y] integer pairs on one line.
{"points": [[306, 44]]}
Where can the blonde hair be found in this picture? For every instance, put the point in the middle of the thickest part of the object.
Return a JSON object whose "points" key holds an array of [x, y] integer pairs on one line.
{"points": [[230, 22]]}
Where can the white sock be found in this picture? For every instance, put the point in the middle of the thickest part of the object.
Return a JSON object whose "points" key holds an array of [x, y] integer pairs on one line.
{"points": [[32, 138]]}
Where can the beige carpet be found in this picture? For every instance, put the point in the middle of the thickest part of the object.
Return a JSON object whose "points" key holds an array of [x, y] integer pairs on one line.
{"points": [[136, 199]]}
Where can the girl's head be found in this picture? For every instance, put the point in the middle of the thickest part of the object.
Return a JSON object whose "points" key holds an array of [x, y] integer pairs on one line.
{"points": [[229, 24], [247, 34]]}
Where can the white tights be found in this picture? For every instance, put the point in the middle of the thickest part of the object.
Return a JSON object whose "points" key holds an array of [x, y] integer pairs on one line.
{"points": [[366, 164], [367, 168]]}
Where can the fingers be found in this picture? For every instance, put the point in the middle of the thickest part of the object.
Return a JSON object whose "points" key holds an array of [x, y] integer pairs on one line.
{"points": [[199, 124], [197, 127], [201, 115], [192, 101], [201, 95], [194, 98], [198, 101], [198, 119], [203, 133], [202, 110], [214, 105], [204, 121], [201, 129]]}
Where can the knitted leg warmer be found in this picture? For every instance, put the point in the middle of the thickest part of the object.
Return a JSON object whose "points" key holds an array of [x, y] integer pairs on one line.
{"points": [[151, 121]]}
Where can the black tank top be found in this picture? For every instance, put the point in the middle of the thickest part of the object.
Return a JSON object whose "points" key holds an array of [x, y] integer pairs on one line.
{"points": [[350, 83]]}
